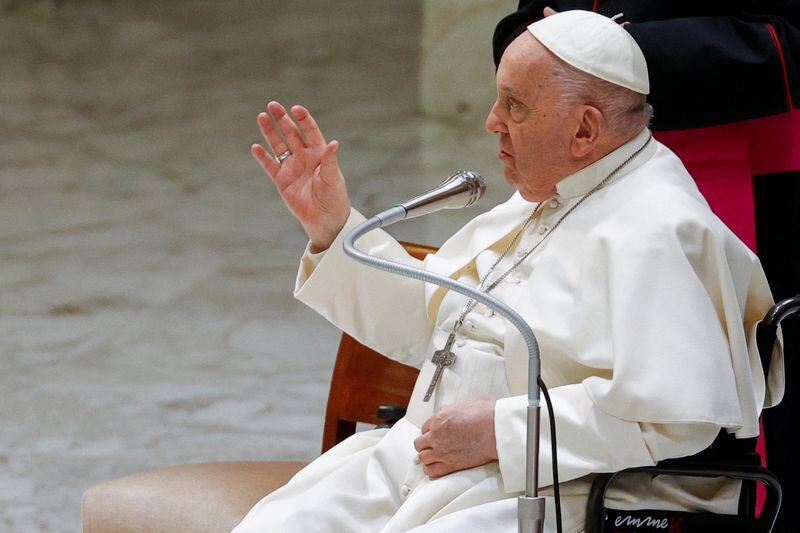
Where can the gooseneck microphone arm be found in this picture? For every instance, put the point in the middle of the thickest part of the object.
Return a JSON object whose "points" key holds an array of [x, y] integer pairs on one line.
{"points": [[530, 507]]}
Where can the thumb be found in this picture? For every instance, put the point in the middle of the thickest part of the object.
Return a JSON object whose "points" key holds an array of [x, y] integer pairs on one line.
{"points": [[549, 11], [329, 164]]}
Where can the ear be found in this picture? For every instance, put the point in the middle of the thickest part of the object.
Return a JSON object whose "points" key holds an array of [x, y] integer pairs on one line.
{"points": [[590, 125]]}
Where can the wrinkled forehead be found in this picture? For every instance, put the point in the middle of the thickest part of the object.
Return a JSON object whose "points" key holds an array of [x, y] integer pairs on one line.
{"points": [[525, 44], [524, 64]]}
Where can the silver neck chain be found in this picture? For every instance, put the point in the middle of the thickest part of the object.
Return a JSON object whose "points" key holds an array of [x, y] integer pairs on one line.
{"points": [[470, 305]]}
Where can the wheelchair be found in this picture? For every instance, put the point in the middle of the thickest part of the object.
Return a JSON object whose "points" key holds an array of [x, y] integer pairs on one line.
{"points": [[726, 457]]}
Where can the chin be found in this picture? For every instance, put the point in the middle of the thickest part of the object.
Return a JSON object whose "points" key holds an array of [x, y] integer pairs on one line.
{"points": [[511, 179], [510, 175]]}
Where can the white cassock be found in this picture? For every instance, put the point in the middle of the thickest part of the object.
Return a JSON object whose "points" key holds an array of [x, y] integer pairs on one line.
{"points": [[645, 307]]}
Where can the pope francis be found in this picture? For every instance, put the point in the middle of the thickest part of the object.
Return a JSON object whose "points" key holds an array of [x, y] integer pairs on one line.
{"points": [[643, 302]]}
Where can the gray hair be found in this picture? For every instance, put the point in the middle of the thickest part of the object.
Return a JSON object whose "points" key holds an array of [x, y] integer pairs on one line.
{"points": [[626, 111]]}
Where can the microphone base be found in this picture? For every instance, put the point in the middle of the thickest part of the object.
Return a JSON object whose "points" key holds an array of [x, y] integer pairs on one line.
{"points": [[530, 513]]}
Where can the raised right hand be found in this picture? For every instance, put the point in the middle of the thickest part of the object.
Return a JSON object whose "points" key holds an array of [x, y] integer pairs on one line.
{"points": [[309, 180]]}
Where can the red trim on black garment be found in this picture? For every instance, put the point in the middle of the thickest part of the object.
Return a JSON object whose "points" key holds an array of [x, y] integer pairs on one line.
{"points": [[596, 3], [785, 74]]}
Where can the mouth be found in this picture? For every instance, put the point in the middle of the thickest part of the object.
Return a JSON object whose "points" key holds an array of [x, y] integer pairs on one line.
{"points": [[504, 155]]}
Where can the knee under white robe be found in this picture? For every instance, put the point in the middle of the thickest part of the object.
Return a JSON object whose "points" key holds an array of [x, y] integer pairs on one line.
{"points": [[645, 308]]}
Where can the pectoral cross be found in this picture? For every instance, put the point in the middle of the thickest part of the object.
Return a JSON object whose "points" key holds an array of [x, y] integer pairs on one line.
{"points": [[442, 359]]}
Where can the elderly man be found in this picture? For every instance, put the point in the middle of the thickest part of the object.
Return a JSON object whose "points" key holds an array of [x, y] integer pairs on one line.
{"points": [[643, 302]]}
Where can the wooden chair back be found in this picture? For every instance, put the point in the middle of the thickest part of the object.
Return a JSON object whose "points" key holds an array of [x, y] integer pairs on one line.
{"points": [[363, 380]]}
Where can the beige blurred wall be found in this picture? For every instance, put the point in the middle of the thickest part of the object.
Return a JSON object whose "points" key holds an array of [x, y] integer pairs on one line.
{"points": [[456, 66]]}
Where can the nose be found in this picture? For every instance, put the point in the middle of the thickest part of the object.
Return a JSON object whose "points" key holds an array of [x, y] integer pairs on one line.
{"points": [[494, 124]]}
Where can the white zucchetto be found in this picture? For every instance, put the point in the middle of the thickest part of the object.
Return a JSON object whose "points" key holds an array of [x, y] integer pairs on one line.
{"points": [[594, 44]]}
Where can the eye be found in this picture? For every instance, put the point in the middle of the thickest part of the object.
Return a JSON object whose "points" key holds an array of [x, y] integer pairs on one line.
{"points": [[516, 110]]}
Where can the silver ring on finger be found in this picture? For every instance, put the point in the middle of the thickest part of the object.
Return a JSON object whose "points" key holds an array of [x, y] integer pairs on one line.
{"points": [[283, 156]]}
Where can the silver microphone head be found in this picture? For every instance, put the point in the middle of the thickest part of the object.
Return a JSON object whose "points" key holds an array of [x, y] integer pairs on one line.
{"points": [[462, 189], [474, 182]]}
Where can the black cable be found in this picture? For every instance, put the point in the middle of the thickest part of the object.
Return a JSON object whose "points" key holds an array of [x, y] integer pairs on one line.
{"points": [[554, 453]]}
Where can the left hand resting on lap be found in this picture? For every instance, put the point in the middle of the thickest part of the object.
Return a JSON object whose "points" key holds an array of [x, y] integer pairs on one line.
{"points": [[458, 437]]}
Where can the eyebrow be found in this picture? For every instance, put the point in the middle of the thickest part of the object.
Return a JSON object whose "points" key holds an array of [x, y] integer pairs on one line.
{"points": [[511, 91]]}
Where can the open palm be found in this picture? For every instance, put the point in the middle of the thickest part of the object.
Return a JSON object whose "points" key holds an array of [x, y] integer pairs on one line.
{"points": [[308, 176]]}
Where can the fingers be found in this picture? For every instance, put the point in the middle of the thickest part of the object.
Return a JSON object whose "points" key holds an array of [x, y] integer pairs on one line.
{"points": [[428, 457], [267, 162], [435, 470], [271, 134], [308, 127], [329, 164], [432, 465], [549, 11], [422, 442], [289, 129], [432, 462]]}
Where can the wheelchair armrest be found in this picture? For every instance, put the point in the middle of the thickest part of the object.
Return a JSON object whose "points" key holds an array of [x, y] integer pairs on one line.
{"points": [[682, 467], [782, 309], [767, 332], [390, 414]]}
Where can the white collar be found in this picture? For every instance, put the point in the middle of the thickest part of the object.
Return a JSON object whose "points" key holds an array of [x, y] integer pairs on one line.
{"points": [[582, 181]]}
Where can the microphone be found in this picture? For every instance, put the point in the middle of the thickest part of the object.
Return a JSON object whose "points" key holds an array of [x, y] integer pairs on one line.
{"points": [[462, 189]]}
